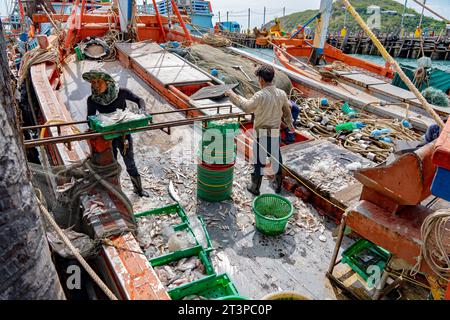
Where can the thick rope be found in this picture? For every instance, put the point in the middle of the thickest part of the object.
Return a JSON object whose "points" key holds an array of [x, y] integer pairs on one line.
{"points": [[435, 249], [75, 252]]}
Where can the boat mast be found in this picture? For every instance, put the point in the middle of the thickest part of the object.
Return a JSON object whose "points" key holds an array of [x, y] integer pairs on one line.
{"points": [[320, 36], [125, 14], [402, 30]]}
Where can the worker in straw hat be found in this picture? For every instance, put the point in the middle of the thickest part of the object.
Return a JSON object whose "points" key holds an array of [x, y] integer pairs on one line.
{"points": [[270, 106], [107, 97]]}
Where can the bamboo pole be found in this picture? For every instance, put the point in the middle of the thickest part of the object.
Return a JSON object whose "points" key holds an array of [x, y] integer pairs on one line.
{"points": [[391, 60], [424, 6]]}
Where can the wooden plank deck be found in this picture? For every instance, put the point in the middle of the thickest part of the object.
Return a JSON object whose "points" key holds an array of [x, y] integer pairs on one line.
{"points": [[393, 91], [55, 111], [362, 79], [161, 64]]}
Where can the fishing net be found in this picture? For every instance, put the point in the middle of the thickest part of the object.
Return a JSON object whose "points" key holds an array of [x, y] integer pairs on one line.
{"points": [[216, 40], [226, 62], [63, 189], [436, 97]]}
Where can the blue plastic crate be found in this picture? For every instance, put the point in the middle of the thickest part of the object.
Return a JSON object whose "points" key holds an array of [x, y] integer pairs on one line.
{"points": [[441, 184]]}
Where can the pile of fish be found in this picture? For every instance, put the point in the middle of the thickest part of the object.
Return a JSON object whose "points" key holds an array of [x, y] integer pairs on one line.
{"points": [[180, 272], [328, 174], [306, 219], [156, 236], [118, 116]]}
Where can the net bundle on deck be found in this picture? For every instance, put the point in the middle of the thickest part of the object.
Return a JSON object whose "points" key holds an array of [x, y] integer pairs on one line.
{"points": [[226, 63]]}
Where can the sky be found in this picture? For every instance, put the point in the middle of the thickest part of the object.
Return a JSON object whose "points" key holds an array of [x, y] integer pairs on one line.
{"points": [[238, 9]]}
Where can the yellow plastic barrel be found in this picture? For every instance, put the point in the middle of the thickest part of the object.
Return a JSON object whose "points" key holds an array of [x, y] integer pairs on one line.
{"points": [[285, 295]]}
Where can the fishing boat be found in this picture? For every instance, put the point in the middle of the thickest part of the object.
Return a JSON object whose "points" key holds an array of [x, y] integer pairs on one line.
{"points": [[169, 84]]}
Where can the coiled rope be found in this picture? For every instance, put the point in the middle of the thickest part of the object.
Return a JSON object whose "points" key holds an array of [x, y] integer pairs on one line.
{"points": [[435, 248], [312, 115]]}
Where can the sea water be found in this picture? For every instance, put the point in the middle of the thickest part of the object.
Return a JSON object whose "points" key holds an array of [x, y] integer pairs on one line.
{"points": [[267, 54], [440, 64]]}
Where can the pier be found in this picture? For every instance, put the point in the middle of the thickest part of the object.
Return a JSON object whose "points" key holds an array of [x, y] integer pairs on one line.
{"points": [[436, 47]]}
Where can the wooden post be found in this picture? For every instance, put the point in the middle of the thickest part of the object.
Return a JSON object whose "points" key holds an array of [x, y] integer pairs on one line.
{"points": [[249, 19], [180, 19], [83, 9], [158, 17], [421, 15], [264, 17]]}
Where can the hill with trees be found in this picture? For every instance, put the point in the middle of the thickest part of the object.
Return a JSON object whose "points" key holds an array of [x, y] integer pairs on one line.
{"points": [[391, 16]]}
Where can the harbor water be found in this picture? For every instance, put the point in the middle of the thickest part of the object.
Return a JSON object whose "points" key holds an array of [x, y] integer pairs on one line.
{"points": [[268, 55]]}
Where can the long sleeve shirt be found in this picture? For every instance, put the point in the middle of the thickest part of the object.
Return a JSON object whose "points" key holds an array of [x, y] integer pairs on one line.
{"points": [[269, 106], [119, 103]]}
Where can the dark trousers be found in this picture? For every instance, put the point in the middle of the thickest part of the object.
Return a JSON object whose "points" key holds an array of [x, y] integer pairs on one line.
{"points": [[126, 153], [295, 111], [267, 147]]}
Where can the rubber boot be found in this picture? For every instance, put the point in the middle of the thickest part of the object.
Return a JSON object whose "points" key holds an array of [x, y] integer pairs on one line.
{"points": [[137, 185], [278, 183], [255, 185]]}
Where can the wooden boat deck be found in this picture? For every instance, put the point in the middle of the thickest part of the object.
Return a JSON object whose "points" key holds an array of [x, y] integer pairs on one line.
{"points": [[165, 66], [385, 89], [257, 264]]}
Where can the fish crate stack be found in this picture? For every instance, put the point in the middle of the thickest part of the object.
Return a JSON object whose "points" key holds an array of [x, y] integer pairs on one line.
{"points": [[175, 267], [215, 170]]}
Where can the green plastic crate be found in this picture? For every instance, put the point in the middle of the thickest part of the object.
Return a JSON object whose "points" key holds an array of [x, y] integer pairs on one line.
{"points": [[211, 287], [225, 128], [96, 125], [174, 208], [198, 251], [363, 254]]}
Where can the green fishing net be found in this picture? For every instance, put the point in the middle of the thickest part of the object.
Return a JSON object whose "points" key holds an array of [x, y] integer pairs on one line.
{"points": [[436, 97]]}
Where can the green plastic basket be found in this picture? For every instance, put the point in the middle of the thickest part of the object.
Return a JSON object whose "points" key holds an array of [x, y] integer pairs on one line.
{"points": [[227, 157], [218, 152], [272, 213], [96, 125], [211, 287], [363, 254], [229, 128], [214, 185]]}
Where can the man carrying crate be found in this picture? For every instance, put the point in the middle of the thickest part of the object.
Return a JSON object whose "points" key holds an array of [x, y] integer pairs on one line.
{"points": [[107, 97]]}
